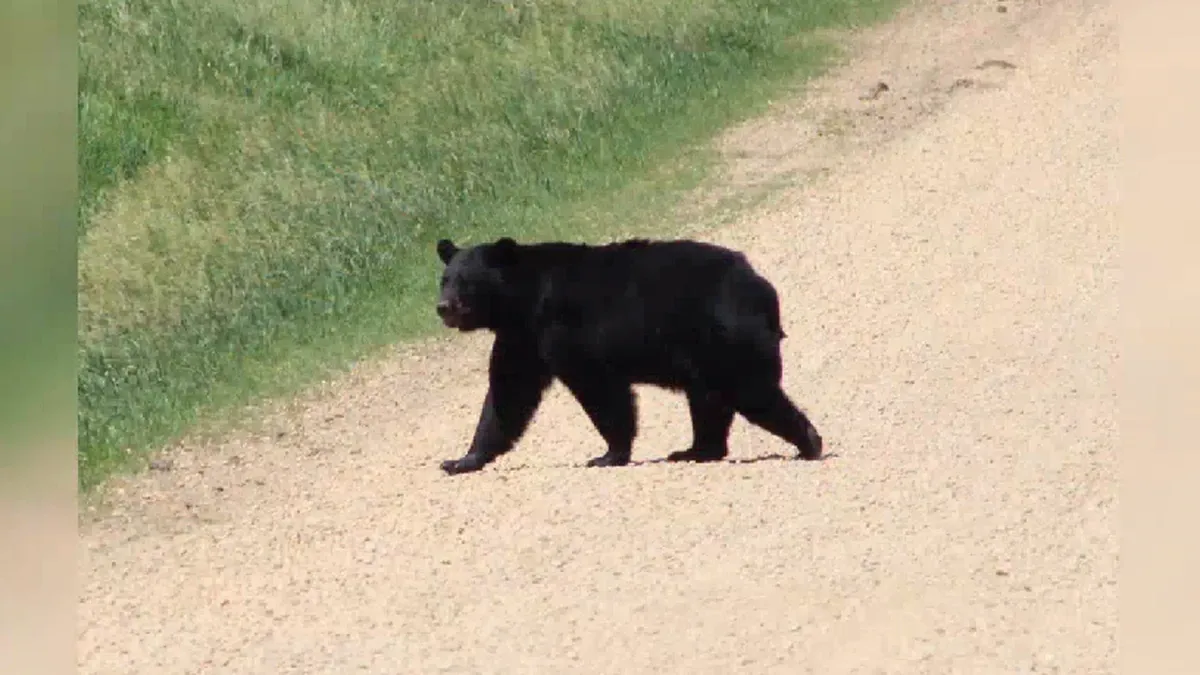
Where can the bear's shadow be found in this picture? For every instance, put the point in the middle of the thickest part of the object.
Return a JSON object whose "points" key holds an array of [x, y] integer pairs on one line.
{"points": [[771, 457]]}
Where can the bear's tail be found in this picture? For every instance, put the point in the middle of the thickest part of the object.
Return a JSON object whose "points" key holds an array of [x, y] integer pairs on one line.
{"points": [[775, 325], [773, 314]]}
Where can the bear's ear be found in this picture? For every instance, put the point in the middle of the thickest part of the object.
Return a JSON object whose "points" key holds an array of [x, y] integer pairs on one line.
{"points": [[446, 250], [503, 253]]}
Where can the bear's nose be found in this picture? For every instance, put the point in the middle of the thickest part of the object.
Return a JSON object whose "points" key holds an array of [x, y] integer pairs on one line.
{"points": [[443, 308]]}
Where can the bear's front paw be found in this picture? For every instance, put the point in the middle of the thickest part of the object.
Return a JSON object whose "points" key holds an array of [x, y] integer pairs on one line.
{"points": [[608, 460], [466, 464]]}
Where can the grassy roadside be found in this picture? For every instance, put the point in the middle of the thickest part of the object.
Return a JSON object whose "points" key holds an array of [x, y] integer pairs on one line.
{"points": [[261, 181]]}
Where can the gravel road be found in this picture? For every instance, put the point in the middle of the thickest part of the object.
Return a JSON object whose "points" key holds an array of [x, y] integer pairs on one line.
{"points": [[946, 251]]}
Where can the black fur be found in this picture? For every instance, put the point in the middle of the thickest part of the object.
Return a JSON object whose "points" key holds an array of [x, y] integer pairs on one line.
{"points": [[684, 315]]}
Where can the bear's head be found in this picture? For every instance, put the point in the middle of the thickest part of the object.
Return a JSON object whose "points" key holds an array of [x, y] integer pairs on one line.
{"points": [[477, 289]]}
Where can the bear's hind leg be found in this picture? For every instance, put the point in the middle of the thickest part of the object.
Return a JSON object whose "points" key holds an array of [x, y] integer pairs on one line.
{"points": [[766, 405], [610, 406], [711, 421]]}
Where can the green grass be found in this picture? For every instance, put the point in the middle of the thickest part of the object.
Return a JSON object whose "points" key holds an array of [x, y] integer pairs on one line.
{"points": [[262, 181]]}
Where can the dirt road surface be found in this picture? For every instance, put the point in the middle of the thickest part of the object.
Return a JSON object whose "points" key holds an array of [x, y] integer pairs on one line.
{"points": [[948, 271]]}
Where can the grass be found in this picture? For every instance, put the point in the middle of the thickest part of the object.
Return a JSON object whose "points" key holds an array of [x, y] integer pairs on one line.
{"points": [[262, 181]]}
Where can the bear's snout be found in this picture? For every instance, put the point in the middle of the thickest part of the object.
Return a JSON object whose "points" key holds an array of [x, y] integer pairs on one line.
{"points": [[452, 313]]}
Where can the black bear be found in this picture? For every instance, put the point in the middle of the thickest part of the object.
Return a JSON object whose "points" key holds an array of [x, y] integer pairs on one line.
{"points": [[683, 315]]}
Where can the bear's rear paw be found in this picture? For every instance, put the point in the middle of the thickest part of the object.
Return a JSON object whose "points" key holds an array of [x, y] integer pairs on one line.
{"points": [[814, 447], [697, 455], [608, 460], [465, 464]]}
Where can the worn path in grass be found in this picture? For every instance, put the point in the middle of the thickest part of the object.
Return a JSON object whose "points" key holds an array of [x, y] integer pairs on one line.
{"points": [[948, 271]]}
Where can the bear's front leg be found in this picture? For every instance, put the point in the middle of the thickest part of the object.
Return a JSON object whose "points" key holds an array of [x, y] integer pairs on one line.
{"points": [[610, 406], [516, 382]]}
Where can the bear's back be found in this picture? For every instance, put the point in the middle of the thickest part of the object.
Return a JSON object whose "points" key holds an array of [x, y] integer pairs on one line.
{"points": [[650, 310], [654, 271]]}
